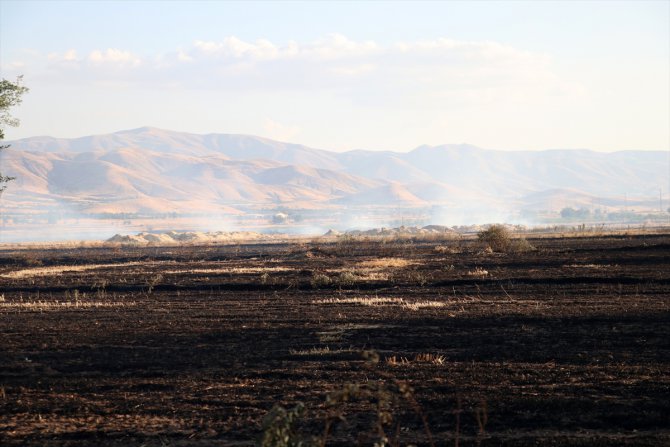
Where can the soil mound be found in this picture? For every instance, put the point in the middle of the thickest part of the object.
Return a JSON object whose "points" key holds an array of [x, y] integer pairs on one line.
{"points": [[186, 237], [403, 231]]}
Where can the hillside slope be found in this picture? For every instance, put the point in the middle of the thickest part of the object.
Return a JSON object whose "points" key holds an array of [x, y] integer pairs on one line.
{"points": [[154, 170]]}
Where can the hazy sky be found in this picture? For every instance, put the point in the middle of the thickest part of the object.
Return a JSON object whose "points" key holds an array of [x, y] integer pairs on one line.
{"points": [[347, 75]]}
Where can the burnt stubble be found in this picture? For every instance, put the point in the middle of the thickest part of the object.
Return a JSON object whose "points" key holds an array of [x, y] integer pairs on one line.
{"points": [[564, 345]]}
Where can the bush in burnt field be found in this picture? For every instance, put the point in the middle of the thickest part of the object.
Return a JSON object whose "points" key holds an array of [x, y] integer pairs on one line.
{"points": [[499, 239], [320, 280], [521, 245], [347, 278]]}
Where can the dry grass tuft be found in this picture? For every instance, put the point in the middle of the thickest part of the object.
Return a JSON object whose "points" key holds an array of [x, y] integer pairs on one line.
{"points": [[430, 358], [443, 249], [376, 301], [373, 276], [433, 359], [59, 269], [230, 270], [62, 305], [319, 351], [478, 272], [588, 266], [396, 360], [385, 263]]}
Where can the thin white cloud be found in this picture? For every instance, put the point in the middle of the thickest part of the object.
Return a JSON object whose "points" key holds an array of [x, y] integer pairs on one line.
{"points": [[113, 61], [423, 74], [112, 56], [335, 46], [232, 47]]}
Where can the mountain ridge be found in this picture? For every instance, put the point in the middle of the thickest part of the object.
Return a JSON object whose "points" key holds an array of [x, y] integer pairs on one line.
{"points": [[158, 130], [146, 168]]}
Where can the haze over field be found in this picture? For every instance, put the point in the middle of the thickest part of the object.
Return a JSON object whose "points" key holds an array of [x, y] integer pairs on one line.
{"points": [[152, 172]]}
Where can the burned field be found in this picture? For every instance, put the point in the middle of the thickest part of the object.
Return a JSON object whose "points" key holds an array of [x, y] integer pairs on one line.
{"points": [[433, 341]]}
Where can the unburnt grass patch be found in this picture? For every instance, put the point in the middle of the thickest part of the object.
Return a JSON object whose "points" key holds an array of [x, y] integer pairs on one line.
{"points": [[389, 301]]}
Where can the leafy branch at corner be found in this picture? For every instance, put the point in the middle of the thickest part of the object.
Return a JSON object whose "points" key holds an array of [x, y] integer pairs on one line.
{"points": [[10, 96]]}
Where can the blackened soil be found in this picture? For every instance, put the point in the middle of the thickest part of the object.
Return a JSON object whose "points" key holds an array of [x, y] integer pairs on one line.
{"points": [[566, 345]]}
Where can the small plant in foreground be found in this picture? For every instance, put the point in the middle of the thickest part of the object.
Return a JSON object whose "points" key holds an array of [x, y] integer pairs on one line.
{"points": [[279, 430], [383, 397]]}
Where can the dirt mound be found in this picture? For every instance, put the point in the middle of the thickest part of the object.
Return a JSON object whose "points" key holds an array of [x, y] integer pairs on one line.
{"points": [[186, 237], [402, 231]]}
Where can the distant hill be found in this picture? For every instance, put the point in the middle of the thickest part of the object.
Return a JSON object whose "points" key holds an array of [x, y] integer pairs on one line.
{"points": [[153, 170]]}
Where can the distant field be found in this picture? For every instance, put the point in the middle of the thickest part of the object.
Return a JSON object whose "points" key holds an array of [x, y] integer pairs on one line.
{"points": [[564, 345]]}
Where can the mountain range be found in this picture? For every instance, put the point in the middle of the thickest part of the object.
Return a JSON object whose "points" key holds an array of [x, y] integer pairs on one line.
{"points": [[149, 170]]}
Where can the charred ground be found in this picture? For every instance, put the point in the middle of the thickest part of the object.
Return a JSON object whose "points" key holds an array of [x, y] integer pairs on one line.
{"points": [[568, 344]]}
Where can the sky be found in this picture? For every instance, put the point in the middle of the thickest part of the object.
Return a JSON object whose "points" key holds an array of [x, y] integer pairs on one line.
{"points": [[348, 75]]}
